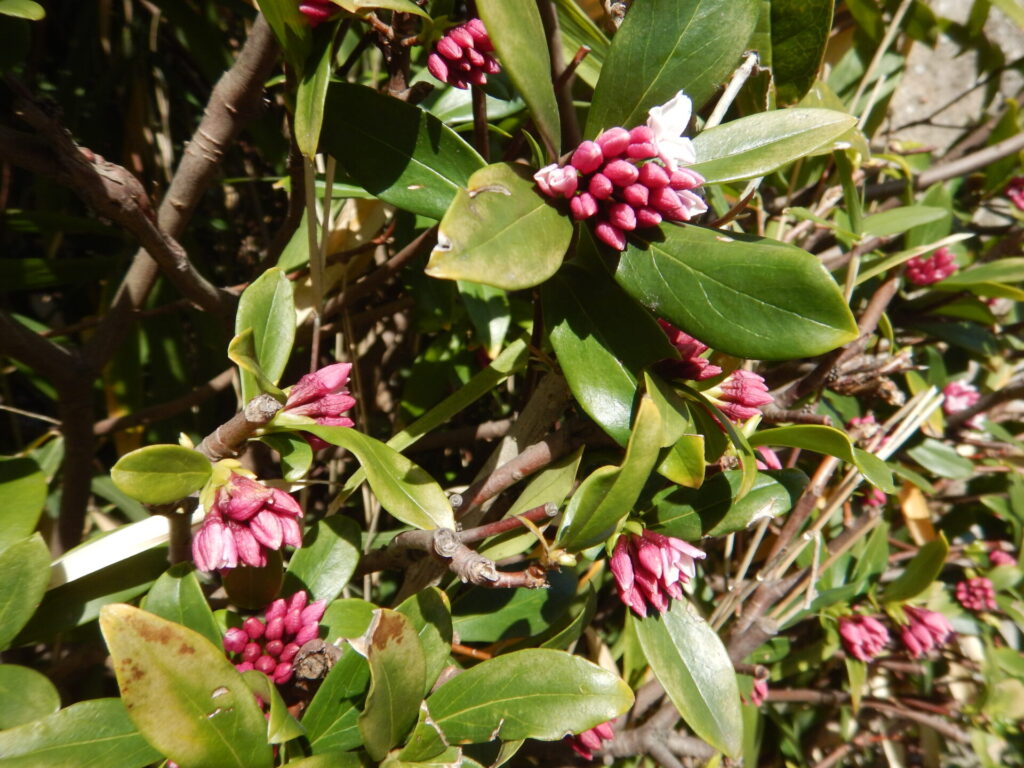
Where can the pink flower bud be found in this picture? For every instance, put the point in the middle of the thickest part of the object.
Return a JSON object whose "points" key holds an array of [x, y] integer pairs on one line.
{"points": [[481, 40], [437, 67], [959, 397], [462, 36], [314, 611], [666, 201], [475, 58], [307, 633], [1015, 191], [621, 173], [622, 216], [769, 459], [647, 217], [611, 235], [266, 528], [449, 47], [583, 206], [235, 640], [998, 557], [288, 652], [317, 11], [653, 176], [641, 148], [274, 648], [292, 533], [588, 157], [613, 142], [265, 664], [864, 637], [245, 666], [254, 628], [251, 652], [636, 195], [556, 181], [293, 621], [976, 594], [249, 549], [213, 546], [275, 629], [684, 178], [759, 692], [282, 673], [276, 610], [600, 187]]}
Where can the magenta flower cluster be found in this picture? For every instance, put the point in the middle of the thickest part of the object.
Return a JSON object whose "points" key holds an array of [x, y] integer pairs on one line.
{"points": [[864, 637], [652, 568], [741, 395], [586, 743], [630, 179], [996, 556], [959, 397], [691, 364], [270, 644], [464, 56], [246, 520], [925, 270], [925, 630], [323, 397], [976, 594], [317, 11]]}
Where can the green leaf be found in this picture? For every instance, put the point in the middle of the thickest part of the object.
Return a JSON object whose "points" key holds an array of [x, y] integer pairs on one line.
{"points": [[532, 694], [311, 92], [665, 46], [290, 27], [490, 313], [332, 759], [90, 734], [398, 152], [430, 615], [942, 460], [1009, 270], [830, 441], [397, 675], [750, 297], [609, 493], [760, 144], [267, 307], [23, 488], [281, 726], [717, 507], [402, 6], [203, 720], [160, 474], [403, 488], [177, 596], [449, 758], [689, 660], [296, 454], [483, 615], [896, 221], [24, 572], [517, 33], [242, 352], [602, 339], [347, 618], [330, 719], [684, 463], [919, 573], [799, 32], [500, 231], [25, 695], [328, 558], [22, 9]]}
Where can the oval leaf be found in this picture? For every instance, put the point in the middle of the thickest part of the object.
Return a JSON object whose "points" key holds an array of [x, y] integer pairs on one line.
{"points": [[328, 558], [430, 615], [330, 720], [196, 720], [23, 9], [830, 441], [689, 660], [90, 734], [398, 152], [748, 296], [267, 306], [759, 144], [532, 694], [177, 597], [160, 474], [23, 489], [799, 33], [24, 572], [920, 572], [25, 695], [501, 232], [665, 46]]}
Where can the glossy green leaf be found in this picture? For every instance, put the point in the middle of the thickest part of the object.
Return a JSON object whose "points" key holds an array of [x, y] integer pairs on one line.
{"points": [[830, 441], [290, 27], [330, 719], [430, 615], [609, 493], [22, 9], [196, 720], [684, 463], [799, 32], [602, 339], [1009, 270], [177, 596], [483, 615], [401, 6], [267, 306], [489, 310], [397, 674], [332, 759], [281, 726], [23, 488], [347, 617], [500, 231], [759, 144], [450, 758], [896, 221], [747, 296], [518, 36], [942, 460], [920, 573], [311, 92], [716, 508], [665, 46], [328, 558], [296, 454], [160, 474], [242, 352], [25, 695], [24, 572], [398, 152], [403, 488], [536, 694], [91, 734], [689, 660]]}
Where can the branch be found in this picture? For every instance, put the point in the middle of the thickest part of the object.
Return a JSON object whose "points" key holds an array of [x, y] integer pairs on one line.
{"points": [[226, 439]]}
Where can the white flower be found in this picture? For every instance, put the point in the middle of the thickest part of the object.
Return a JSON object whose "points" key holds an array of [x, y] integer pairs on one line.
{"points": [[667, 123]]}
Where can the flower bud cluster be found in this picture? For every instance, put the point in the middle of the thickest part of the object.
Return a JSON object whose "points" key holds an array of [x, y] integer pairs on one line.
{"points": [[1015, 191], [925, 270], [690, 364], [925, 630], [630, 179], [651, 569], [741, 395], [759, 692], [317, 11], [767, 458], [959, 397], [584, 744], [246, 520], [270, 644], [976, 594], [464, 56], [864, 637], [323, 397], [996, 556], [875, 498]]}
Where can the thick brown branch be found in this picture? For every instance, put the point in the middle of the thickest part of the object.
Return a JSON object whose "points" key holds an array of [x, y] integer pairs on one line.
{"points": [[226, 439]]}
